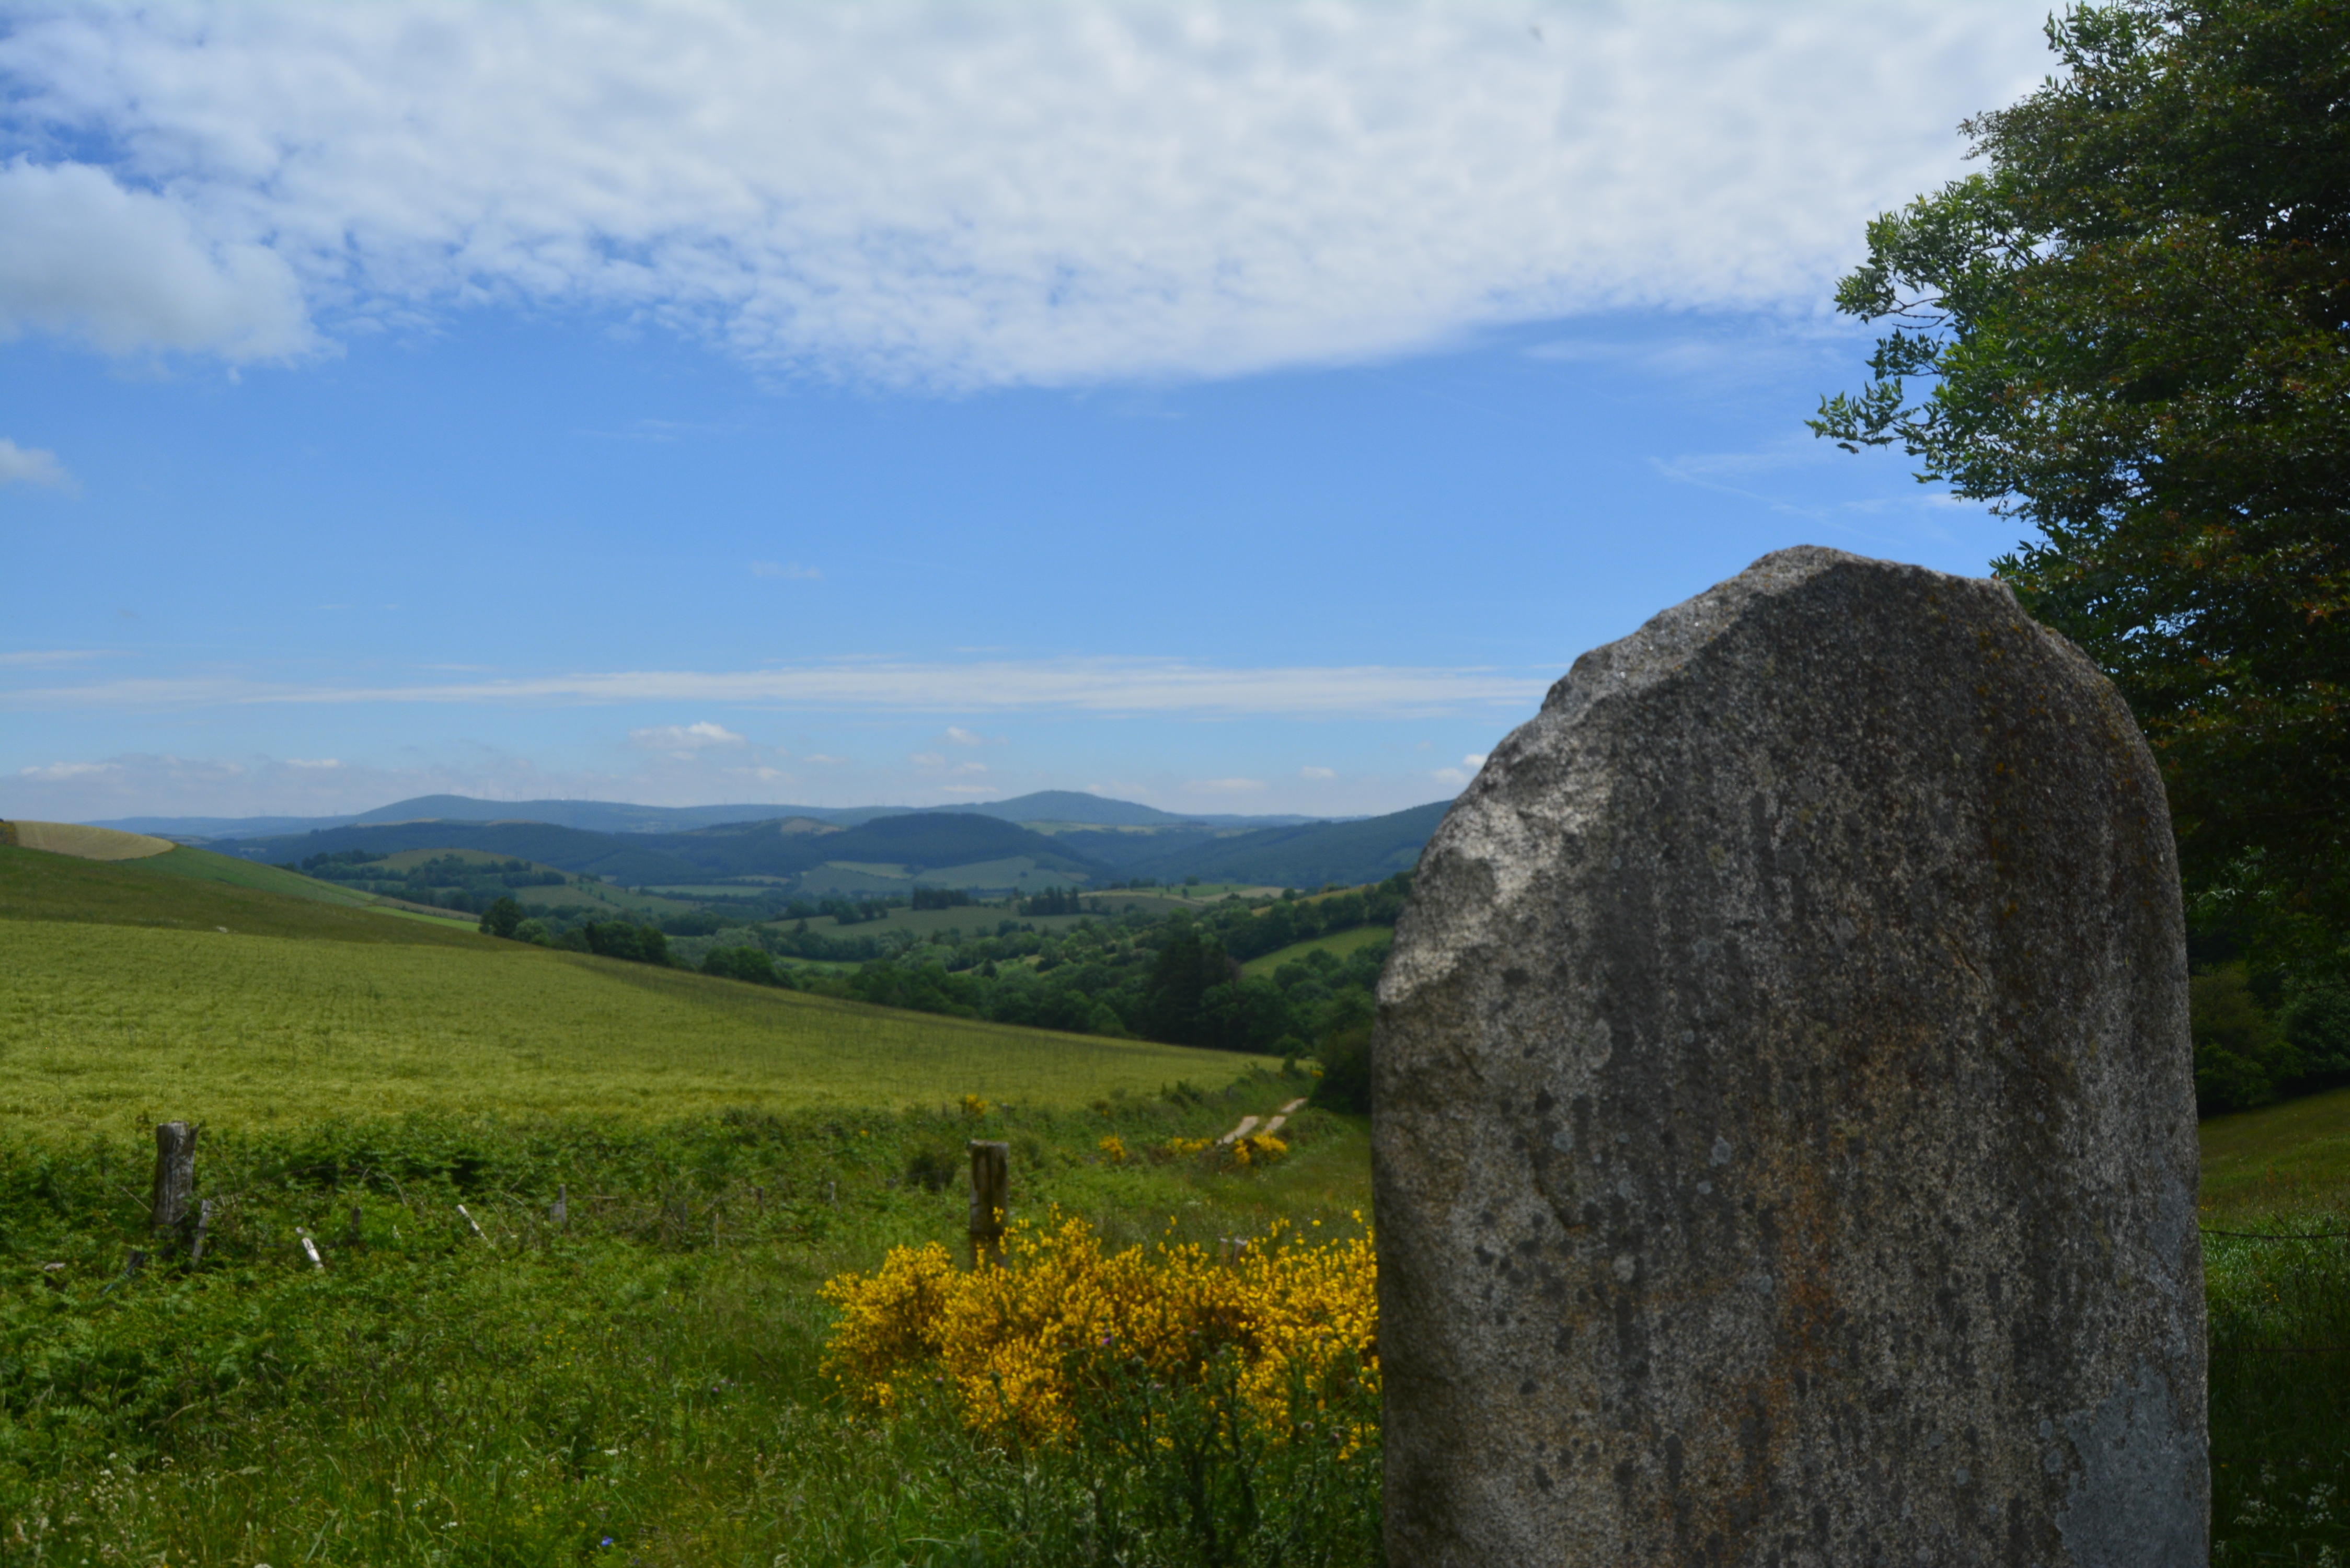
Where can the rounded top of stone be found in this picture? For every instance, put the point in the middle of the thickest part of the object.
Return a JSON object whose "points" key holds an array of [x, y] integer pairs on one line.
{"points": [[1667, 642]]}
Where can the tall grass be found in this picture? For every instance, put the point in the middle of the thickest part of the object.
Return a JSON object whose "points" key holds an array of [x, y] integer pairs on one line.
{"points": [[2280, 1326], [638, 1386]]}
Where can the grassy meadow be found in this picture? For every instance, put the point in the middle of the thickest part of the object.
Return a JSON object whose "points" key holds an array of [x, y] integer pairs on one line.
{"points": [[639, 1380], [103, 1031], [2275, 1206], [153, 894], [204, 866], [1337, 944], [640, 1384]]}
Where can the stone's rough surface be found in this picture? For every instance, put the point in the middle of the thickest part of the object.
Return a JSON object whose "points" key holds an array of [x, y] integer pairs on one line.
{"points": [[1784, 1121]]}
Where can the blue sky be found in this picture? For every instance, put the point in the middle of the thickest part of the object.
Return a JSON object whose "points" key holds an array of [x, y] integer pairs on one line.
{"points": [[1246, 411]]}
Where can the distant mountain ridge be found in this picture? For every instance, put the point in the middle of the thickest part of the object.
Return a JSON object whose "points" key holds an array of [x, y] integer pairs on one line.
{"points": [[778, 847], [892, 852], [619, 817]]}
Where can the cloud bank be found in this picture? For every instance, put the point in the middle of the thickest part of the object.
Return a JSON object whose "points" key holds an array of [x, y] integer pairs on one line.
{"points": [[951, 196], [1099, 686]]}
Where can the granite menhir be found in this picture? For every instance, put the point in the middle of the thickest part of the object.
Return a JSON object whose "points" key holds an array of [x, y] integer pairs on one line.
{"points": [[1785, 1120]]}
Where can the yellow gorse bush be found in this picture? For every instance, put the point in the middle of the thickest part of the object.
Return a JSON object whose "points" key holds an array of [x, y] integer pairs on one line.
{"points": [[1262, 1148], [1022, 1343]]}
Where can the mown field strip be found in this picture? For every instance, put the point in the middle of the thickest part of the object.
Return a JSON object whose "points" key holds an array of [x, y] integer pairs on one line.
{"points": [[104, 1028], [1337, 944]]}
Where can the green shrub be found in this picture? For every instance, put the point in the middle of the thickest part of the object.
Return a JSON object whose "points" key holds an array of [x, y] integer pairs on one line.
{"points": [[2241, 1056], [1345, 1083]]}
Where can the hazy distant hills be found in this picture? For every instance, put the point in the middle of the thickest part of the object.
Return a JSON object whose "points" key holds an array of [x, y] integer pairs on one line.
{"points": [[1052, 805], [1054, 837], [911, 844], [1365, 850]]}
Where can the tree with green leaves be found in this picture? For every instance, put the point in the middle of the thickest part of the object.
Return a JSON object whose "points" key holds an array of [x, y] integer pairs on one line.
{"points": [[2133, 328]]}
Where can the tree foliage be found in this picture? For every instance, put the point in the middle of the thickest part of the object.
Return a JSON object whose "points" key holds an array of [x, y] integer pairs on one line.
{"points": [[2135, 326]]}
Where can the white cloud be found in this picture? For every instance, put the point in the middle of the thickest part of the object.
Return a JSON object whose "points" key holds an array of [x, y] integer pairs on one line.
{"points": [[65, 773], [1317, 773], [1076, 685], [790, 570], [1453, 777], [1473, 759], [129, 270], [688, 738], [956, 735], [32, 465], [977, 195], [46, 657], [927, 759], [321, 762]]}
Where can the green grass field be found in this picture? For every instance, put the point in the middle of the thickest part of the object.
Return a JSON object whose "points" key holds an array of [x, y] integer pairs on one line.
{"points": [[1338, 944], [2279, 1159], [204, 866], [37, 886], [102, 1031]]}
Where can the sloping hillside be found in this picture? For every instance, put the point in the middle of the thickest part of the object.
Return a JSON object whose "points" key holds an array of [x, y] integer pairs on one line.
{"points": [[37, 886], [1343, 852], [920, 841], [83, 842], [634, 858]]}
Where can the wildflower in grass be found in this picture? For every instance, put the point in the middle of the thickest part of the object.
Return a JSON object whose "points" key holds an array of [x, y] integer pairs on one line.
{"points": [[1025, 1344], [1261, 1149], [973, 1105], [1113, 1148]]}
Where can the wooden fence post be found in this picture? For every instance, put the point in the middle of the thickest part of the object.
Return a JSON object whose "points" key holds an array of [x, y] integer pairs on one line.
{"points": [[991, 1196], [175, 1176]]}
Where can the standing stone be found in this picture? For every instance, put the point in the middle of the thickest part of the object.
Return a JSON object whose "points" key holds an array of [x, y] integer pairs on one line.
{"points": [[1784, 1121]]}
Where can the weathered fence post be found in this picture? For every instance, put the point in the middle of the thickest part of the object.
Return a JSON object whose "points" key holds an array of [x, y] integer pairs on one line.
{"points": [[561, 1212], [1783, 1109], [990, 1188], [175, 1176]]}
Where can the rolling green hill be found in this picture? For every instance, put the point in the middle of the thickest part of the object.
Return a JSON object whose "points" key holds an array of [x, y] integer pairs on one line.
{"points": [[634, 860], [261, 1031], [915, 843], [205, 866], [131, 994], [184, 894], [1346, 853], [1338, 944]]}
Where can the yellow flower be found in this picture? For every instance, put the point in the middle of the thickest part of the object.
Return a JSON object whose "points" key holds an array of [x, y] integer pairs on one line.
{"points": [[1114, 1147], [973, 1105], [1025, 1342]]}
